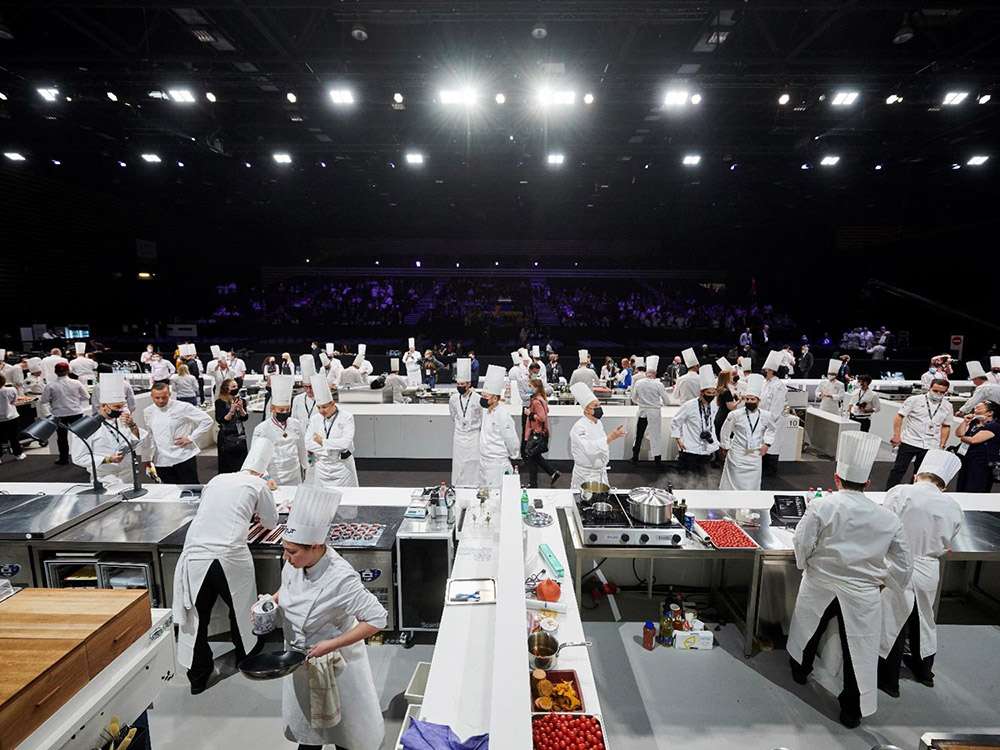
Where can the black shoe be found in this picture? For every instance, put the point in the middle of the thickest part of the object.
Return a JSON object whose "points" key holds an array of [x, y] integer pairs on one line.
{"points": [[555, 478], [851, 722], [198, 688], [62, 462], [926, 683], [800, 676], [891, 692], [634, 461]]}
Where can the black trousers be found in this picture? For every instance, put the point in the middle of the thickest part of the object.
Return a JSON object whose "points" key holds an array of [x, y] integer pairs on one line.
{"points": [[695, 462], [9, 432], [866, 423], [850, 697], [888, 668], [185, 472], [533, 465], [640, 430], [904, 457], [62, 435], [214, 586], [769, 464], [976, 475]]}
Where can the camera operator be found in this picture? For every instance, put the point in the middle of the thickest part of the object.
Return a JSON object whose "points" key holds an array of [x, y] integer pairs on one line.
{"points": [[693, 427]]}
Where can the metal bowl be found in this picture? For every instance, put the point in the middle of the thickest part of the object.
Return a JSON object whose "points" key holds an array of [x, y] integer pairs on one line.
{"points": [[272, 665], [594, 491], [601, 510]]}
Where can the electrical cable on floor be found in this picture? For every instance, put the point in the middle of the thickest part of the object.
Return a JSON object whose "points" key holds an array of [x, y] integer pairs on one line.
{"points": [[593, 570], [642, 581]]}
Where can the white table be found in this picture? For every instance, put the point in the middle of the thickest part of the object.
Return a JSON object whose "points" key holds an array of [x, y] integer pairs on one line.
{"points": [[823, 430]]}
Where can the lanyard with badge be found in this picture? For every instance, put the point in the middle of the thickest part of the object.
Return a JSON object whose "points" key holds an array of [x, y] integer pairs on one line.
{"points": [[465, 407], [751, 450], [705, 410], [931, 415], [333, 421]]}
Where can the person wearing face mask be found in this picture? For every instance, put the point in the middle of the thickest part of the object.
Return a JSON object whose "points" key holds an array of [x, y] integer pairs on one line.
{"points": [[112, 443], [174, 428], [984, 391], [499, 440], [231, 416], [288, 463], [979, 434], [806, 361], [588, 443], [693, 426], [33, 383], [238, 367], [330, 438], [725, 393], [467, 415], [993, 376], [395, 384], [146, 357], [160, 369], [269, 368], [864, 403], [649, 395], [923, 423], [745, 438], [830, 392]]}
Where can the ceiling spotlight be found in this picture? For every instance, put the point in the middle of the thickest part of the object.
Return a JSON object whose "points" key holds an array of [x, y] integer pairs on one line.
{"points": [[696, 99], [246, 164], [416, 263], [210, 96], [547, 96], [180, 164], [784, 99], [733, 167], [13, 155], [844, 98], [982, 100], [322, 164], [203, 34], [48, 95], [57, 163], [122, 164], [112, 96], [976, 161], [893, 99], [539, 30], [181, 96], [458, 265], [905, 32], [496, 263], [3, 97], [359, 33], [829, 161], [341, 96], [69, 98], [500, 98], [692, 159], [465, 96], [675, 98], [536, 264], [878, 167], [5, 33], [151, 158], [556, 158], [955, 97], [805, 166], [291, 97], [398, 98], [414, 158], [956, 166], [588, 98], [282, 158]]}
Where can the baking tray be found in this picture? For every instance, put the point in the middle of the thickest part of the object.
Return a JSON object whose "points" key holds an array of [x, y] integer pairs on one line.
{"points": [[604, 735], [487, 588], [735, 525], [555, 676]]}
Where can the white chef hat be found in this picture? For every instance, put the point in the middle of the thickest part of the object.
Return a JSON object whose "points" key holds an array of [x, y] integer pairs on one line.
{"points": [[330, 348], [308, 366], [640, 362], [463, 370], [942, 464], [281, 390], [755, 385], [690, 358], [583, 395], [311, 514], [706, 378], [856, 452], [321, 389], [112, 387], [494, 380], [359, 360], [394, 364], [410, 342], [216, 351], [773, 361], [3, 354], [652, 363], [80, 346], [833, 367], [535, 351], [975, 369], [723, 364], [34, 363], [523, 353], [259, 456], [746, 363], [324, 360], [994, 362], [515, 357], [192, 350], [362, 350], [583, 354]]}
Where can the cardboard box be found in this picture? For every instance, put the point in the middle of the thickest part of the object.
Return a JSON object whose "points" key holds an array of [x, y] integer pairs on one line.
{"points": [[694, 639]]}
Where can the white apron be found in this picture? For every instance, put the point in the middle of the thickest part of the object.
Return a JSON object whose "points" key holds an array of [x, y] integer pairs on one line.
{"points": [[335, 472], [491, 471], [412, 374], [862, 614], [654, 429], [285, 466], [312, 612], [829, 405], [465, 458], [742, 471], [582, 474], [897, 606]]}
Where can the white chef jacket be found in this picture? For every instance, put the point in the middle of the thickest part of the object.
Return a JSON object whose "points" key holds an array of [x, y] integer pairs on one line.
{"points": [[467, 415], [8, 400], [335, 371], [49, 367], [84, 368], [588, 445], [161, 369], [498, 437], [66, 397], [351, 376], [693, 418], [412, 362], [834, 389], [985, 392], [289, 457], [687, 387], [33, 385], [743, 434], [649, 395], [176, 419], [773, 400], [931, 521], [106, 442], [584, 374], [868, 399], [993, 377], [392, 393], [928, 377], [922, 421], [15, 377], [338, 436], [303, 407], [788, 360], [239, 368], [847, 546]]}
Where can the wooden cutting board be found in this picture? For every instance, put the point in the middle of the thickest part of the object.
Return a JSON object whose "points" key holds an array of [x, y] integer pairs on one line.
{"points": [[61, 613]]}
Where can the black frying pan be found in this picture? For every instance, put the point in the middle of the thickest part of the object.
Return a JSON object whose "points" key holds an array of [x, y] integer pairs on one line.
{"points": [[272, 665]]}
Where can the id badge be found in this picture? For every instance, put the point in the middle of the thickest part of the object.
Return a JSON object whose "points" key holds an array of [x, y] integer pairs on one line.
{"points": [[753, 451]]}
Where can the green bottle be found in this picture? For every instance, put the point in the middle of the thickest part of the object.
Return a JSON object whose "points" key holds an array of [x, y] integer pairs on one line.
{"points": [[524, 502]]}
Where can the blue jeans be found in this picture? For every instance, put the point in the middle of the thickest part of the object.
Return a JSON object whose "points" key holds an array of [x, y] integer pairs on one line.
{"points": [[189, 399], [430, 381]]}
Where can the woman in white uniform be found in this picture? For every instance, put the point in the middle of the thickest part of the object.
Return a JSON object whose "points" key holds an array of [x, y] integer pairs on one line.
{"points": [[588, 444], [330, 437], [325, 609], [467, 414], [745, 437], [830, 392], [499, 440], [216, 562], [288, 465]]}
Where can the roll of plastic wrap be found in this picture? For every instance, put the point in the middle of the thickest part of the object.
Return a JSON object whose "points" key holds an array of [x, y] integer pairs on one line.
{"points": [[550, 606]]}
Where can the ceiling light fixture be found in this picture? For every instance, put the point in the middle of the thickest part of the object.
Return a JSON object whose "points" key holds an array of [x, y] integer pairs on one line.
{"points": [[692, 159], [180, 164], [414, 158], [675, 98], [291, 97], [282, 158], [829, 161], [341, 96], [48, 95], [151, 158], [696, 98], [556, 158], [203, 34], [982, 100], [588, 98], [976, 161], [547, 97], [210, 96], [3, 97], [112, 96], [844, 98], [805, 166], [500, 99], [122, 164], [893, 99], [539, 30], [398, 98], [878, 167], [181, 96], [465, 96], [246, 164], [13, 155], [359, 33], [905, 32], [784, 99], [955, 97]]}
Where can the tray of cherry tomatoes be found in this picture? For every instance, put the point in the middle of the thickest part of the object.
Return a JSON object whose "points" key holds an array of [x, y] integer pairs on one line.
{"points": [[727, 535], [560, 731]]}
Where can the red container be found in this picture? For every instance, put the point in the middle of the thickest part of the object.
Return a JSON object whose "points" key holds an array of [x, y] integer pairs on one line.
{"points": [[556, 676]]}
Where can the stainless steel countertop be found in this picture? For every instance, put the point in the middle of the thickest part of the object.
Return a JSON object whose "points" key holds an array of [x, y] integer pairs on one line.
{"points": [[130, 523], [47, 515]]}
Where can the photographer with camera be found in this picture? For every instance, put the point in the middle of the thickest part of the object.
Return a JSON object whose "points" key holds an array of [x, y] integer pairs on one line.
{"points": [[231, 414], [693, 427]]}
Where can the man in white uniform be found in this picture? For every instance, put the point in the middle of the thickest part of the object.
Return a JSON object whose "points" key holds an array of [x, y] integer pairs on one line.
{"points": [[113, 442], [536, 358], [352, 375], [864, 403], [985, 390], [83, 366], [332, 369], [467, 414], [330, 438], [304, 405], [175, 428], [238, 367], [66, 399], [931, 521], [49, 365], [584, 374], [994, 374], [288, 463], [395, 384], [773, 400], [14, 374], [160, 369], [693, 426], [830, 392], [588, 444], [499, 440], [412, 362], [745, 438], [688, 385], [34, 383], [216, 563], [848, 547], [649, 395], [923, 423]]}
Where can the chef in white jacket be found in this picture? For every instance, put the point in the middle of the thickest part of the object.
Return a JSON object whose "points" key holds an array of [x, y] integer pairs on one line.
{"points": [[353, 375], [33, 383], [175, 428], [588, 443], [745, 438], [395, 384], [411, 360], [773, 400], [287, 435], [467, 415], [113, 442], [649, 395], [536, 358], [327, 612], [993, 376], [83, 366], [216, 562], [693, 426], [688, 385], [499, 440], [830, 392], [330, 438], [931, 521], [584, 373], [847, 547], [15, 375]]}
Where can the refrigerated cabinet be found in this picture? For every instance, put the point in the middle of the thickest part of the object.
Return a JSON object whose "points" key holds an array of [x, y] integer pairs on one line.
{"points": [[98, 572]]}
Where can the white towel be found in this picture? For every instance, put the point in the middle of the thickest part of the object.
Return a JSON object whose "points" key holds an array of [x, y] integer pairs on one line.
{"points": [[324, 699]]}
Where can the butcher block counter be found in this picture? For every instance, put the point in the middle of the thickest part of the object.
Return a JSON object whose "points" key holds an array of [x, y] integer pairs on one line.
{"points": [[53, 642]]}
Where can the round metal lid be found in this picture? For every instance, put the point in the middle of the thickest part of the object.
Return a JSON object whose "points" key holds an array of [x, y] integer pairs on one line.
{"points": [[653, 496]]}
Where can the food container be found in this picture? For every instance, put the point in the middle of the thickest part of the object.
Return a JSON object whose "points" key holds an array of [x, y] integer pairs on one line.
{"points": [[549, 625], [651, 505], [560, 727], [543, 650], [727, 535], [593, 492], [265, 615], [557, 677], [415, 691]]}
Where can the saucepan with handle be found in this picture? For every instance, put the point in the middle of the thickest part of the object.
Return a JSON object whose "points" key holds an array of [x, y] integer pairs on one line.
{"points": [[543, 649]]}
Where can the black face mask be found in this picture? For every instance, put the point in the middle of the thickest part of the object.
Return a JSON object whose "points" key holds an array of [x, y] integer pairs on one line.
{"points": [[751, 406], [282, 416], [462, 390], [484, 402], [234, 392], [114, 413], [707, 399], [598, 412]]}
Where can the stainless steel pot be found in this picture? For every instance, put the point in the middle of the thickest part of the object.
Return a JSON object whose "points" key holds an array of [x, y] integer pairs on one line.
{"points": [[650, 505], [594, 492], [543, 649]]}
